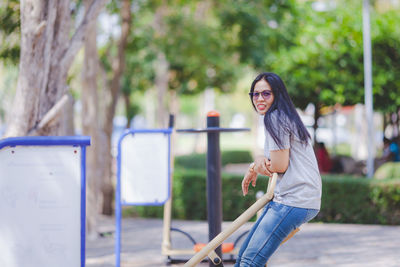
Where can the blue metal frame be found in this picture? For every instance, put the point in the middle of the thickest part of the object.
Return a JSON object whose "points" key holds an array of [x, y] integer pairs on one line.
{"points": [[83, 206], [81, 141], [118, 203], [45, 141]]}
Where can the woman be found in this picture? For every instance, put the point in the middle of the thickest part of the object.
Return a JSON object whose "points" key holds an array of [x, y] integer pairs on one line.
{"points": [[288, 152]]}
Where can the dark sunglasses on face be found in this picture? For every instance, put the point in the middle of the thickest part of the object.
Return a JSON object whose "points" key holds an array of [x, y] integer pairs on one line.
{"points": [[266, 94]]}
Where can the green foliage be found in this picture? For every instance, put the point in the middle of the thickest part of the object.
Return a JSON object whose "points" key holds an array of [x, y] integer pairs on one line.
{"points": [[138, 75], [212, 43], [236, 156], [318, 54], [10, 31], [388, 171], [189, 105], [386, 198], [359, 200], [325, 64], [192, 44], [198, 161], [386, 61], [197, 54], [193, 161], [140, 54], [345, 199], [258, 29], [189, 197], [189, 38], [190, 205], [9, 75]]}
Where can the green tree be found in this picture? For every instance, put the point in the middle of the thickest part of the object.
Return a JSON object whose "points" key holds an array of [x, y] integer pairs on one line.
{"points": [[179, 49], [140, 57], [257, 30], [325, 66], [10, 31], [386, 61]]}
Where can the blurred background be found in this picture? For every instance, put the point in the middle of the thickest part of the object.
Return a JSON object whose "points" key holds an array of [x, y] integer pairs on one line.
{"points": [[96, 67]]}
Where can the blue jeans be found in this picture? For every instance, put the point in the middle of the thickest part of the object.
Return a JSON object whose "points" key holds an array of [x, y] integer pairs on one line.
{"points": [[276, 222]]}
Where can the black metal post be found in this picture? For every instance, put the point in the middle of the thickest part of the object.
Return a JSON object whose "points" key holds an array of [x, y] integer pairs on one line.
{"points": [[171, 121], [214, 188], [214, 198]]}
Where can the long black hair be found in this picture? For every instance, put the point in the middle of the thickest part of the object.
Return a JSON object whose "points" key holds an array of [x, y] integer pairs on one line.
{"points": [[289, 119]]}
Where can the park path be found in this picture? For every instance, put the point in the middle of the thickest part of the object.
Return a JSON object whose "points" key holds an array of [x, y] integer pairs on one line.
{"points": [[316, 244]]}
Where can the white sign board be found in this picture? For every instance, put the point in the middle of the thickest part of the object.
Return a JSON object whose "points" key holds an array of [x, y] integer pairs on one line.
{"points": [[40, 206], [144, 168]]}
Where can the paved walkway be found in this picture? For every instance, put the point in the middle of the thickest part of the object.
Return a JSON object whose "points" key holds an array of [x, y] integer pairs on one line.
{"points": [[315, 245]]}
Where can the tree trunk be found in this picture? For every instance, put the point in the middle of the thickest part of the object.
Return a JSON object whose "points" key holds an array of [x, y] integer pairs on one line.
{"points": [[118, 65], [161, 69], [47, 53], [90, 127], [127, 103], [161, 83], [67, 118]]}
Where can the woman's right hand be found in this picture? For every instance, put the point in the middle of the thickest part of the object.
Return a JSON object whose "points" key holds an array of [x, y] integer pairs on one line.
{"points": [[249, 178], [261, 165]]}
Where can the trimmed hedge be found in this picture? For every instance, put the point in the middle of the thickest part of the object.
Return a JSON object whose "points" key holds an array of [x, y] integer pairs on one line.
{"points": [[236, 156], [389, 170], [190, 197], [198, 161], [345, 199], [192, 161], [360, 200]]}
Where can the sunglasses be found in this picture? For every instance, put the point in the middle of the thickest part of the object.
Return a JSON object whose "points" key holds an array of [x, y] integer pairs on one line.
{"points": [[266, 94]]}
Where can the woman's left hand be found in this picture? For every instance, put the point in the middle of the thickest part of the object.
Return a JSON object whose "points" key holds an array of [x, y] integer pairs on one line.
{"points": [[250, 177]]}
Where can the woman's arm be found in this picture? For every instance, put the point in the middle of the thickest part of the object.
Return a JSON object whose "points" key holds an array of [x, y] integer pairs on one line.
{"points": [[279, 161], [261, 165]]}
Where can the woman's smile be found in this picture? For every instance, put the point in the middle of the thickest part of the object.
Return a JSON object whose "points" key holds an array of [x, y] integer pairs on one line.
{"points": [[264, 98], [261, 107]]}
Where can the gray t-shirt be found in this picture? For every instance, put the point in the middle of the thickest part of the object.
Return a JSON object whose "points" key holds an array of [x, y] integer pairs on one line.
{"points": [[300, 186]]}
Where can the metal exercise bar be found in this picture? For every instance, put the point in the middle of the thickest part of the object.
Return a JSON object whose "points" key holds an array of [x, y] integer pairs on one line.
{"points": [[209, 249]]}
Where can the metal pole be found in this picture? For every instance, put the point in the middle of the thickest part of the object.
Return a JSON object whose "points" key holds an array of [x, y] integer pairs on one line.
{"points": [[166, 241], [368, 87], [118, 213], [214, 198]]}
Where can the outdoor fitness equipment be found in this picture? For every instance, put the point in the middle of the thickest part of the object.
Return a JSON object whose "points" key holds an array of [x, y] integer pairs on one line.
{"points": [[214, 197], [209, 249], [138, 181]]}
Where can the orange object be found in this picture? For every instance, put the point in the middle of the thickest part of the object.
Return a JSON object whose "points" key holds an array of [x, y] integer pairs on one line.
{"points": [[213, 113], [226, 247], [198, 246], [290, 235]]}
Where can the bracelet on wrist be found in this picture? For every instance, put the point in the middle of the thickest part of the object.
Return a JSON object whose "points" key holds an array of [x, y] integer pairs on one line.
{"points": [[251, 167]]}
